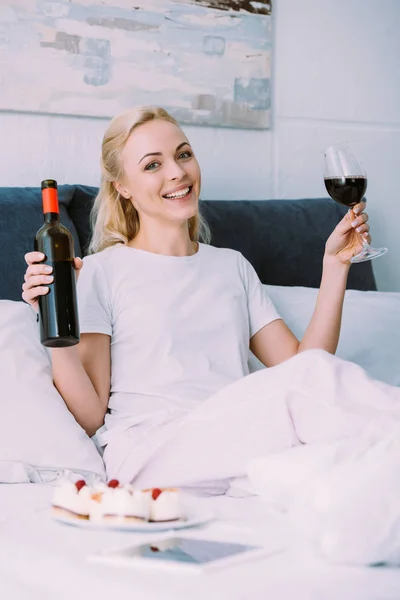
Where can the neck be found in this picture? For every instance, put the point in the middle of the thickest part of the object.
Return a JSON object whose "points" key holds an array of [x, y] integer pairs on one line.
{"points": [[49, 217], [170, 242]]}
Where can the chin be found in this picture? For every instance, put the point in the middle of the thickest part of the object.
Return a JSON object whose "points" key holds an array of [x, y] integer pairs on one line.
{"points": [[183, 209], [183, 216]]}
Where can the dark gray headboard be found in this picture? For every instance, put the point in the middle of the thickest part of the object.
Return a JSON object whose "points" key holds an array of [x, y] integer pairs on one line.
{"points": [[283, 239]]}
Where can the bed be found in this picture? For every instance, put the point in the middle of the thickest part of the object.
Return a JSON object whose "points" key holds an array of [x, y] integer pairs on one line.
{"points": [[42, 559]]}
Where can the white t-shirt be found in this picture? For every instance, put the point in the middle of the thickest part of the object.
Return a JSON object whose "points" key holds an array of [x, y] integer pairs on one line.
{"points": [[179, 326]]}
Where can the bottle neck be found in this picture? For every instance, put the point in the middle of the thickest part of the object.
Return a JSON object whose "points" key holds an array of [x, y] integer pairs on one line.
{"points": [[51, 217], [50, 202]]}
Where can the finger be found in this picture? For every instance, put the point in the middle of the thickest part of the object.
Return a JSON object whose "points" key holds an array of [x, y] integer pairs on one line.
{"points": [[33, 257], [78, 263], [345, 225], [39, 269], [35, 280], [32, 292], [363, 228], [30, 296], [366, 237], [359, 208], [348, 222], [360, 220]]}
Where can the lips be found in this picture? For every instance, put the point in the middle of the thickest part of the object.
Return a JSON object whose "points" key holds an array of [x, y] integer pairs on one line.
{"points": [[178, 193]]}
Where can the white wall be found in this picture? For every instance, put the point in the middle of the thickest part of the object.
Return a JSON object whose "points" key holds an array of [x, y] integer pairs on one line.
{"points": [[335, 78]]}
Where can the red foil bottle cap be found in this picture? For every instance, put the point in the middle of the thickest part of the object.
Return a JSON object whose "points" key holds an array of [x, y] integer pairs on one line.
{"points": [[50, 196]]}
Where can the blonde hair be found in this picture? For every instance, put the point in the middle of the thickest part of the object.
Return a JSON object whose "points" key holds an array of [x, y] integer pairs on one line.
{"points": [[114, 219]]}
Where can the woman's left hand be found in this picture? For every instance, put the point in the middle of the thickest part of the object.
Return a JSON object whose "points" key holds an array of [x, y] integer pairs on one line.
{"points": [[346, 239]]}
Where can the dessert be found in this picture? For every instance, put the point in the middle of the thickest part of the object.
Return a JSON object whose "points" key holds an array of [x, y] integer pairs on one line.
{"points": [[164, 504], [95, 501], [116, 503], [72, 500]]}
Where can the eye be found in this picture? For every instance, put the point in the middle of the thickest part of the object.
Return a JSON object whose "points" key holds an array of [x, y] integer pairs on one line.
{"points": [[152, 166], [186, 154]]}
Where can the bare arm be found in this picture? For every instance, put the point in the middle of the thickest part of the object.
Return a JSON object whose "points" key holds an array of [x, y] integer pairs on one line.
{"points": [[81, 373], [82, 376], [275, 342], [324, 328]]}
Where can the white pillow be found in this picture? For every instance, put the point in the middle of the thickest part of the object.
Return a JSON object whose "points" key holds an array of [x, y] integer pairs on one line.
{"points": [[370, 333], [36, 428]]}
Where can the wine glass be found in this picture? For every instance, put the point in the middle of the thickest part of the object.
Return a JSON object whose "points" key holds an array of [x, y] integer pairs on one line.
{"points": [[346, 183]]}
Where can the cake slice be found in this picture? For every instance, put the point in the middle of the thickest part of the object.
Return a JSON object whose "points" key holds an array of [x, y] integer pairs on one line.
{"points": [[118, 504], [71, 500], [165, 504]]}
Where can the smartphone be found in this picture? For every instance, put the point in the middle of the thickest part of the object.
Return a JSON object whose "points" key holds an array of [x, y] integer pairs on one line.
{"points": [[182, 553]]}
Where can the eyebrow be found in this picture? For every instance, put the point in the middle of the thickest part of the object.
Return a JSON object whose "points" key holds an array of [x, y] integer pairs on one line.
{"points": [[160, 153]]}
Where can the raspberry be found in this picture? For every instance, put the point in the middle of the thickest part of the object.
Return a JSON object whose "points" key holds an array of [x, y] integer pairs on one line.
{"points": [[80, 484], [114, 483], [155, 493]]}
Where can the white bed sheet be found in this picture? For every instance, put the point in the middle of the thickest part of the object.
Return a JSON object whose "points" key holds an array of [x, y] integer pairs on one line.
{"points": [[41, 559]]}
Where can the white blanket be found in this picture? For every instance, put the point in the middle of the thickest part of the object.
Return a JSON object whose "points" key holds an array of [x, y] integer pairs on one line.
{"points": [[314, 398], [343, 496]]}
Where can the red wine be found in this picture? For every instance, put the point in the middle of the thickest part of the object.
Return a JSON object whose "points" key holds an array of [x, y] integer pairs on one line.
{"points": [[346, 190], [58, 310]]}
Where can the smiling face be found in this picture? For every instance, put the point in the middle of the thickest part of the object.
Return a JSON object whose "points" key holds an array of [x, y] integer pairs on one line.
{"points": [[161, 174]]}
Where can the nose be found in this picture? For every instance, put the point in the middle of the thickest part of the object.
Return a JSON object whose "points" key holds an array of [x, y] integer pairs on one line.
{"points": [[175, 171]]}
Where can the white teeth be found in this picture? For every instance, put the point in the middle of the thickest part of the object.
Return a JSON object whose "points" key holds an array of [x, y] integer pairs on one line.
{"points": [[178, 194]]}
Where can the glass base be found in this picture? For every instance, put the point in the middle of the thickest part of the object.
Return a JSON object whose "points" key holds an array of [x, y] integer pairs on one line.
{"points": [[368, 253]]}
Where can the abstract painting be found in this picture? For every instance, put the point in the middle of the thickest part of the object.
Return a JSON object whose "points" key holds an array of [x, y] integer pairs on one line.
{"points": [[208, 62]]}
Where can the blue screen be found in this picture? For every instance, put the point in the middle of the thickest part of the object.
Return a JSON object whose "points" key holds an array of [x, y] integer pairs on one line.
{"points": [[184, 550]]}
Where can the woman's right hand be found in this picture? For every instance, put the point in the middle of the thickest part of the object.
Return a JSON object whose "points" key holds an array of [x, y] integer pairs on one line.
{"points": [[38, 276]]}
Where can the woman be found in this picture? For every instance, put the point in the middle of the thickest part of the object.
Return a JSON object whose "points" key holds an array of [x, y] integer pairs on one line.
{"points": [[166, 321]]}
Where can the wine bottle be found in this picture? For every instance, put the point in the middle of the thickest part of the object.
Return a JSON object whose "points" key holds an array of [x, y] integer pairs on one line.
{"points": [[58, 310]]}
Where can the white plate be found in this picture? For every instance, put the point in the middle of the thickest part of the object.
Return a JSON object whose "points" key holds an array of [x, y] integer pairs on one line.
{"points": [[194, 518]]}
